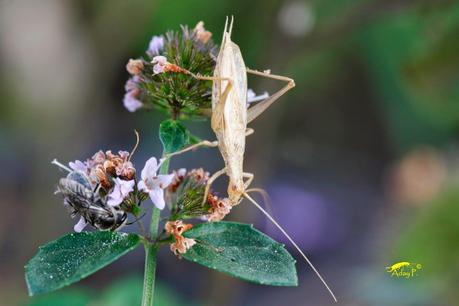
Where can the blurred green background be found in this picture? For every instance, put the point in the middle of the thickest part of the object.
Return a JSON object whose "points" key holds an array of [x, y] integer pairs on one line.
{"points": [[361, 158]]}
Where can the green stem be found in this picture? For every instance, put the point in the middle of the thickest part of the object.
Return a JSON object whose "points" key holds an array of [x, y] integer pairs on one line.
{"points": [[149, 276], [151, 249]]}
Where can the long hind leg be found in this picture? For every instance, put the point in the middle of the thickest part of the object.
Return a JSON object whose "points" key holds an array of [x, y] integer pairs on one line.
{"points": [[259, 108]]}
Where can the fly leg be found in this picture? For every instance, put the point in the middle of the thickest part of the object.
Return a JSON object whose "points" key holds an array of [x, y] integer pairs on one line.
{"points": [[259, 108]]}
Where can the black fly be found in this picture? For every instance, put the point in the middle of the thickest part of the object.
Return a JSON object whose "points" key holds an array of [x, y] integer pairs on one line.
{"points": [[82, 198]]}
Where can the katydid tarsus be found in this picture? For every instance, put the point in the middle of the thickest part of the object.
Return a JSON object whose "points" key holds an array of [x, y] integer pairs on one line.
{"points": [[229, 119]]}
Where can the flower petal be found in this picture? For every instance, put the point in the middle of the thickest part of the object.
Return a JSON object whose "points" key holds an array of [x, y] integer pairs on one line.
{"points": [[164, 180], [114, 201], [142, 187], [155, 46], [78, 166], [149, 171], [126, 187], [157, 196], [132, 83], [130, 101], [115, 197], [161, 60], [80, 225]]}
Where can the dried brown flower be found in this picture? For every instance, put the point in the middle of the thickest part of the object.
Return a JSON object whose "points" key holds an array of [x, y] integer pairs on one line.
{"points": [[219, 208], [134, 66], [199, 174], [181, 244]]}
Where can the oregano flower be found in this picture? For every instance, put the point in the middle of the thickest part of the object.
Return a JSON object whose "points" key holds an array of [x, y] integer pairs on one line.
{"points": [[154, 184]]}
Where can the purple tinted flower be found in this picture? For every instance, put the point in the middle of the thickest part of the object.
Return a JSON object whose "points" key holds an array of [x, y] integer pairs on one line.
{"points": [[155, 46], [78, 166], [132, 83], [123, 154], [130, 101], [120, 191]]}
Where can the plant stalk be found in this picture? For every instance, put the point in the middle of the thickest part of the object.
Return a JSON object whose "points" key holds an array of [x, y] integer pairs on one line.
{"points": [[151, 250]]}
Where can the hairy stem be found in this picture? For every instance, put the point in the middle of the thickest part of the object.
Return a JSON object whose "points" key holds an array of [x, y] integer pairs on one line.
{"points": [[151, 249]]}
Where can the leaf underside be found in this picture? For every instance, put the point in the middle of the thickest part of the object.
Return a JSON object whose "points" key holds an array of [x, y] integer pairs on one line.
{"points": [[73, 257], [243, 252]]}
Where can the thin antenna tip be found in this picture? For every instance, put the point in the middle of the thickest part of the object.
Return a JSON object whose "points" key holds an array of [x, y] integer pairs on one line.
{"points": [[292, 242]]}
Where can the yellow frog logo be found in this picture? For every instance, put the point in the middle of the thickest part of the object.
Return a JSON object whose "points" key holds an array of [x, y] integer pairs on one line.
{"points": [[403, 269]]}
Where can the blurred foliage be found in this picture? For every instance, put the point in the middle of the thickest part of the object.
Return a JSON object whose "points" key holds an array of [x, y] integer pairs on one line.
{"points": [[413, 60], [71, 297], [127, 291], [432, 239]]}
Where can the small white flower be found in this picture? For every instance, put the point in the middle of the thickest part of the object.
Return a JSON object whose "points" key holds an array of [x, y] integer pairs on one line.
{"points": [[80, 225], [252, 96], [123, 154], [155, 46], [160, 63], [154, 184], [121, 189], [78, 166]]}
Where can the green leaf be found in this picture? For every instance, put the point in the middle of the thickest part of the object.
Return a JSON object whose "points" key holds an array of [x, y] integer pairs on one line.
{"points": [[173, 135], [75, 256], [243, 252]]}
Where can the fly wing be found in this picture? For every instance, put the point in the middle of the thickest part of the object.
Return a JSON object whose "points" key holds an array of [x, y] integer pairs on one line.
{"points": [[76, 194]]}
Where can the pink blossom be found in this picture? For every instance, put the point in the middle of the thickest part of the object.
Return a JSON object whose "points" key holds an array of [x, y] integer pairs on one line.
{"points": [[132, 83], [134, 66], [130, 101], [160, 63]]}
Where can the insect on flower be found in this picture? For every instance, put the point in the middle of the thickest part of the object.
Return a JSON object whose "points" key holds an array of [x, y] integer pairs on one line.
{"points": [[229, 120], [82, 198], [96, 189]]}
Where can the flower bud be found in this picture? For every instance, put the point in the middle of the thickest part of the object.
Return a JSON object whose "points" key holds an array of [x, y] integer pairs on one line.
{"points": [[201, 34]]}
